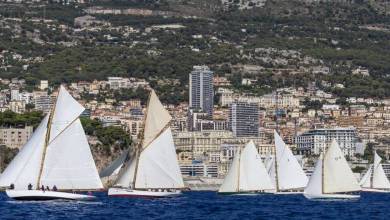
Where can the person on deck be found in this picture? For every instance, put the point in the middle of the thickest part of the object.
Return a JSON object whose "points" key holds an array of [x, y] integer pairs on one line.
{"points": [[29, 187], [43, 188], [54, 188], [47, 188], [12, 186]]}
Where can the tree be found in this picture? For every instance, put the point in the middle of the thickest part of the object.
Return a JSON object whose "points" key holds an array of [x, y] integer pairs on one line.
{"points": [[112, 138], [309, 104]]}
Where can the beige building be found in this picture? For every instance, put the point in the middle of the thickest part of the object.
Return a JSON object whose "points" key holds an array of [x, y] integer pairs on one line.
{"points": [[15, 137], [44, 85], [213, 150], [42, 101], [204, 143], [133, 126], [266, 101], [17, 106]]}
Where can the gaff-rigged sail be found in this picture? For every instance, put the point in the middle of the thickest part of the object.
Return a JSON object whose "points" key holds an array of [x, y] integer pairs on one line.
{"points": [[57, 154], [338, 176], [156, 165], [290, 173]]}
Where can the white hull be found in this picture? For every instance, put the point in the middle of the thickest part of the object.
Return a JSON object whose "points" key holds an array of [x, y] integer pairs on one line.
{"points": [[46, 195], [331, 196], [289, 193], [247, 193], [375, 190], [123, 192]]}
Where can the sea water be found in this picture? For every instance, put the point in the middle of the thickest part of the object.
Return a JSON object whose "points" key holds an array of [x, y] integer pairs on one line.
{"points": [[201, 205]]}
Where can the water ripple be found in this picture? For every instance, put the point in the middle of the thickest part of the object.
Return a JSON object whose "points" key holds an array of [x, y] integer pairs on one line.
{"points": [[201, 205]]}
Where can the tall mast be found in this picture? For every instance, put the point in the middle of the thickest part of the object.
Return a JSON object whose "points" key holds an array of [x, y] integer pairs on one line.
{"points": [[277, 111], [373, 172], [322, 172], [47, 139], [276, 168], [139, 147], [239, 168]]}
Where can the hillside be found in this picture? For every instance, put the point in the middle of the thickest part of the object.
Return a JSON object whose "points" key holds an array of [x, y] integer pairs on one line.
{"points": [[130, 39]]}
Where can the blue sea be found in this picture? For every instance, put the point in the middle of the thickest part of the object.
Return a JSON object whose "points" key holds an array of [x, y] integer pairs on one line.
{"points": [[201, 205]]}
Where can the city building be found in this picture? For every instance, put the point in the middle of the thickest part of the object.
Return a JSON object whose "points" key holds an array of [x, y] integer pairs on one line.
{"points": [[44, 85], [244, 119], [15, 137], [15, 94], [199, 121], [287, 101], [42, 101], [134, 125], [17, 106], [118, 83], [317, 140], [199, 169], [202, 143], [201, 89]]}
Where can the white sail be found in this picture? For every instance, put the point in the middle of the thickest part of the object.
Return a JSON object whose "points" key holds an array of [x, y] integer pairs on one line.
{"points": [[253, 174], [366, 180], [230, 183], [338, 176], [379, 179], [271, 169], [269, 160], [290, 173], [314, 187], [66, 111], [158, 166], [69, 163], [157, 118], [126, 174], [25, 167]]}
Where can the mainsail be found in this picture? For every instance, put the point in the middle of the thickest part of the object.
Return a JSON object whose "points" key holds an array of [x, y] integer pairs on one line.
{"points": [[156, 165], [338, 176], [332, 174], [253, 174], [68, 163], [290, 174], [58, 153], [379, 179], [247, 172]]}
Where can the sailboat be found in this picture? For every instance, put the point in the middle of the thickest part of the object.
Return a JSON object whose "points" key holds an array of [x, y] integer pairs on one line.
{"points": [[247, 174], [332, 177], [375, 179], [287, 175], [152, 170], [56, 156]]}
